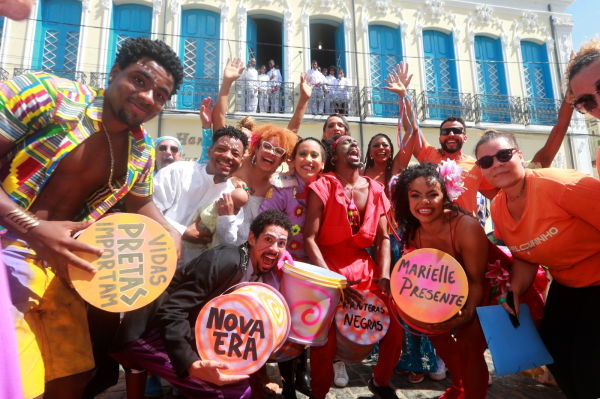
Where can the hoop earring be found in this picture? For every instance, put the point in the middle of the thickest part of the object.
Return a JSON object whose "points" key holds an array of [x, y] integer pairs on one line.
{"points": [[254, 160], [331, 162]]}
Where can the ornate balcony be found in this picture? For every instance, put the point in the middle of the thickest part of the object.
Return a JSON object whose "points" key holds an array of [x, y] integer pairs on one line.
{"points": [[193, 91], [498, 109], [541, 111], [77, 76], [3, 74], [264, 97], [99, 79], [333, 100], [440, 105], [381, 103]]}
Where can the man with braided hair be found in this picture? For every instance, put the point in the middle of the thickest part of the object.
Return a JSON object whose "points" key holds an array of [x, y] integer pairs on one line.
{"points": [[69, 152]]}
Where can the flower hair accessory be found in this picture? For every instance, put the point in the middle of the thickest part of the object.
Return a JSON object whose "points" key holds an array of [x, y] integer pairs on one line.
{"points": [[451, 173], [254, 140]]}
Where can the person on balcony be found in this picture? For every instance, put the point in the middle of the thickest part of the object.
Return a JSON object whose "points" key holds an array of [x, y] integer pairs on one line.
{"points": [[263, 90], [275, 80], [250, 83], [317, 98], [330, 90], [342, 93], [96, 152]]}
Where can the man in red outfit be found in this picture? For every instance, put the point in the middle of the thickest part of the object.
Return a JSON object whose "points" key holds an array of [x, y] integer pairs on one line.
{"points": [[345, 215]]}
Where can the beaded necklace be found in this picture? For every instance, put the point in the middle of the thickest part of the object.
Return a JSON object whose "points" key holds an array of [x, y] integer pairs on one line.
{"points": [[353, 215]]}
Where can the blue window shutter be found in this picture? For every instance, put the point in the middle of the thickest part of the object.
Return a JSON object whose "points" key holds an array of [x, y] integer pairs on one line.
{"points": [[536, 70], [440, 75], [340, 48], [490, 75], [199, 52], [1, 28], [251, 33], [128, 21], [57, 35], [385, 53]]}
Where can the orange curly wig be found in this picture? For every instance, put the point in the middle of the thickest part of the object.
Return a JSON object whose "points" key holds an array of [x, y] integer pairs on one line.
{"points": [[281, 137]]}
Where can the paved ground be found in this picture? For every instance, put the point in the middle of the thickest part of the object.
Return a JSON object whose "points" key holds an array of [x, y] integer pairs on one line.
{"points": [[513, 386]]}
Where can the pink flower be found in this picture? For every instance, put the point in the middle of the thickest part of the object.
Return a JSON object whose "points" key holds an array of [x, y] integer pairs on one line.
{"points": [[500, 277], [452, 175], [255, 141]]}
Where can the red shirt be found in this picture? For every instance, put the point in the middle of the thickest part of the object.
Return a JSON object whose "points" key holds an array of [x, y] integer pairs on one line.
{"points": [[560, 226], [344, 252], [472, 177]]}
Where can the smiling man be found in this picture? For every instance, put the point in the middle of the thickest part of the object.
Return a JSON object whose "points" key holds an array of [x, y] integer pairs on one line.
{"points": [[453, 134], [185, 187], [162, 341], [168, 151], [69, 152]]}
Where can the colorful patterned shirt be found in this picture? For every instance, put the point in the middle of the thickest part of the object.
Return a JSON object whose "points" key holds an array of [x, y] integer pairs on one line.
{"points": [[47, 117]]}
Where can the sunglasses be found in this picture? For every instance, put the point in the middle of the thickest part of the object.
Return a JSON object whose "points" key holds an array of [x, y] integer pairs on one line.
{"points": [[163, 148], [277, 151], [502, 155], [455, 130], [586, 102]]}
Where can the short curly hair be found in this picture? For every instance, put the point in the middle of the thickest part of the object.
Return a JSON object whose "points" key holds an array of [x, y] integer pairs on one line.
{"points": [[268, 218], [280, 136], [588, 53], [231, 132], [134, 49]]}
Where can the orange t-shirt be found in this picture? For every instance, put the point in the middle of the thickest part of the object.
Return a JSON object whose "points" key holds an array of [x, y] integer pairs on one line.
{"points": [[560, 226], [598, 162], [472, 177]]}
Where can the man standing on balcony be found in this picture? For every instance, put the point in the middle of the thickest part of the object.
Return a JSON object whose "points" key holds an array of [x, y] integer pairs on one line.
{"points": [[263, 90], [70, 152], [250, 77], [329, 89], [275, 80], [315, 76]]}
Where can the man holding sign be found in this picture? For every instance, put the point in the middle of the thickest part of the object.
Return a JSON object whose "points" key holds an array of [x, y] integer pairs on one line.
{"points": [[162, 340], [69, 152]]}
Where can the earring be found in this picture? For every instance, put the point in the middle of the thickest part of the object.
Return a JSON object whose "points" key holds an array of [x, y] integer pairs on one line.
{"points": [[254, 160], [332, 161]]}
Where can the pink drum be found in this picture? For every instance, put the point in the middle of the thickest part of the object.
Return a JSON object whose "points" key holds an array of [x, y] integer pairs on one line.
{"points": [[288, 351], [359, 328]]}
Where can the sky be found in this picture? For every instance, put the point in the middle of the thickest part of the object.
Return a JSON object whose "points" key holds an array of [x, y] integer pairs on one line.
{"points": [[586, 14]]}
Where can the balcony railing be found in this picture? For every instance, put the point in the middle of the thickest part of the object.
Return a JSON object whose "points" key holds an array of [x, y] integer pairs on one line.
{"points": [[3, 74], [193, 91], [264, 97], [441, 104], [541, 111], [381, 103], [77, 76], [498, 109], [341, 100], [99, 79]]}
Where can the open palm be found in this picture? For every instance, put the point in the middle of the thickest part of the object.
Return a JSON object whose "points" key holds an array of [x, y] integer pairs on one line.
{"points": [[233, 70]]}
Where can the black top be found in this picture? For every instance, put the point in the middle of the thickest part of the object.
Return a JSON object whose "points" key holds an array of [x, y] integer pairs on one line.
{"points": [[176, 310]]}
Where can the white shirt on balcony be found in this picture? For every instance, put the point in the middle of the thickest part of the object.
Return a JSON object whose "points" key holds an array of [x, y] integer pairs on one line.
{"points": [[316, 75], [250, 75], [274, 76], [342, 87]]}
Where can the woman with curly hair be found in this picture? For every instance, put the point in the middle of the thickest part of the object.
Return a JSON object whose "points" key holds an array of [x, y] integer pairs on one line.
{"points": [[552, 217], [422, 202]]}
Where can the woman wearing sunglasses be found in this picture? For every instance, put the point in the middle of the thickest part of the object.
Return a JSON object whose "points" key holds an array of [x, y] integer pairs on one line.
{"points": [[551, 217], [583, 87]]}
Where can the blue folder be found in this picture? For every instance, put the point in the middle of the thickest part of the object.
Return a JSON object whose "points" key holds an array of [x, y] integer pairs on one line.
{"points": [[512, 349]]}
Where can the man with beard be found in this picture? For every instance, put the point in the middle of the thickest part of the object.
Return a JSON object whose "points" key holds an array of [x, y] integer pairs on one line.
{"points": [[336, 240], [184, 187], [168, 150], [453, 134], [160, 337], [69, 152]]}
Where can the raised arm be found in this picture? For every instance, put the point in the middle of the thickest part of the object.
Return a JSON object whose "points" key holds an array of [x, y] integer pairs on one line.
{"points": [[305, 92], [233, 71], [206, 117], [547, 153]]}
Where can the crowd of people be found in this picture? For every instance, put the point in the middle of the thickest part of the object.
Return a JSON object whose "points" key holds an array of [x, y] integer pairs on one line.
{"points": [[261, 192]]}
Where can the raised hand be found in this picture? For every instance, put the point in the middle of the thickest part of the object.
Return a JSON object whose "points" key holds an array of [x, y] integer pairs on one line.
{"points": [[206, 115], [306, 86], [395, 85], [403, 75], [233, 70]]}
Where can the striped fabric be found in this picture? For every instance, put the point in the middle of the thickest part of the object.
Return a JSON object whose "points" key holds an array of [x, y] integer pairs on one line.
{"points": [[47, 117]]}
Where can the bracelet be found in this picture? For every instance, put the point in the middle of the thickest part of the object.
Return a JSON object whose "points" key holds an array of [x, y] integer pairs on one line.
{"points": [[21, 219]]}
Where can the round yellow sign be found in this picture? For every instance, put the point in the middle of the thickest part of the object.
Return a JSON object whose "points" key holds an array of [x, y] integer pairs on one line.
{"points": [[137, 265]]}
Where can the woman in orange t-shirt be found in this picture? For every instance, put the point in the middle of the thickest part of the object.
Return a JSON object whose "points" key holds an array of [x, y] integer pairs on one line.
{"points": [[552, 217]]}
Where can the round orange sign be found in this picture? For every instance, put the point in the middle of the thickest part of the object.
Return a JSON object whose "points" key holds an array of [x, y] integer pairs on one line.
{"points": [[137, 265], [429, 285]]}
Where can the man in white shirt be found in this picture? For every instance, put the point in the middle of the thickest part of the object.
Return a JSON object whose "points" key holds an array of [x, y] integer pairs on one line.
{"points": [[275, 86], [342, 95], [315, 76], [182, 188], [250, 77], [330, 90], [263, 90]]}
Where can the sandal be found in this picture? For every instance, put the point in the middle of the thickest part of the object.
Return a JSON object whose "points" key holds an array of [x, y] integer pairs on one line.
{"points": [[415, 378]]}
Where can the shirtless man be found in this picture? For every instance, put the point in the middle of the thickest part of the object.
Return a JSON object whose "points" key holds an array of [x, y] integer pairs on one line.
{"points": [[65, 163]]}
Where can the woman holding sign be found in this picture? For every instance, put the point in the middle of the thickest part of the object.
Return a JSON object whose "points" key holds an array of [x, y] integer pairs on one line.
{"points": [[422, 201], [552, 217]]}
